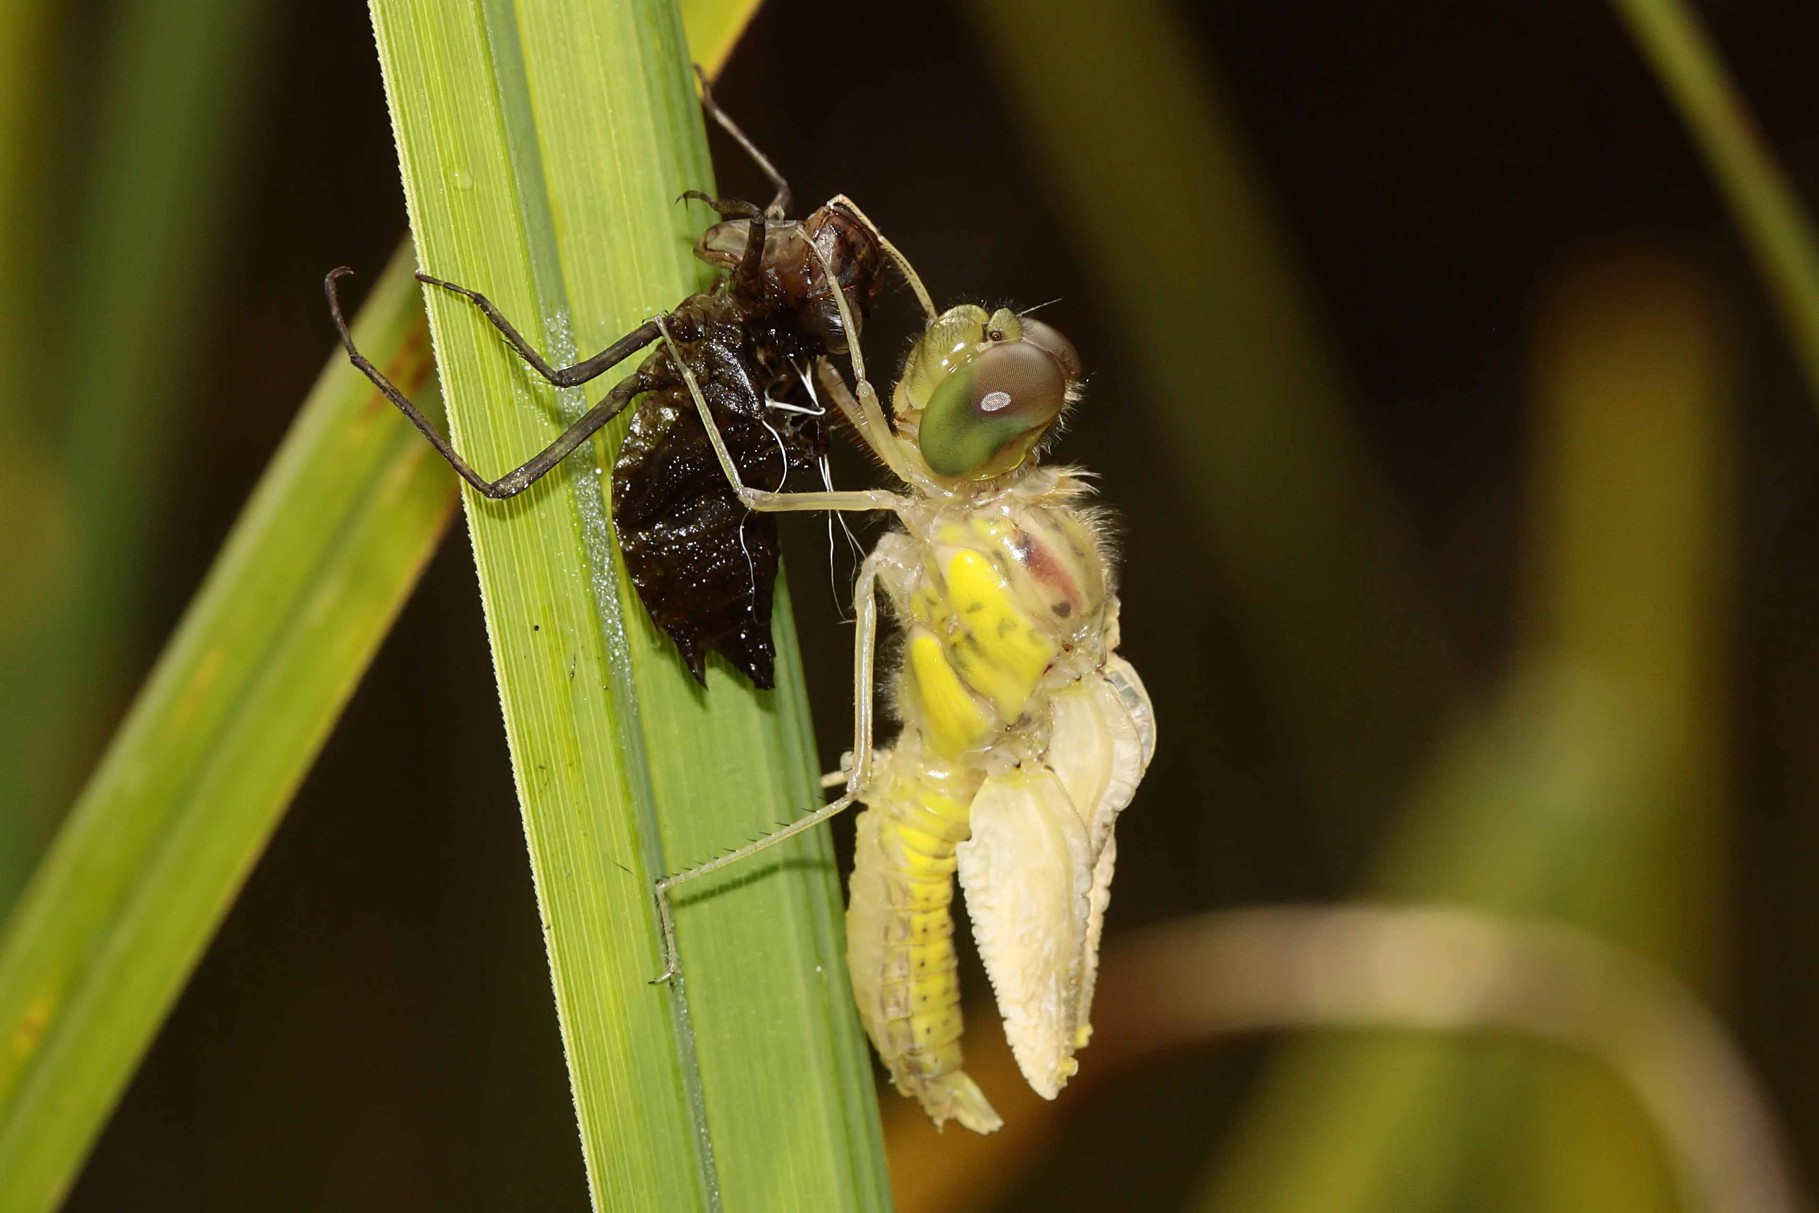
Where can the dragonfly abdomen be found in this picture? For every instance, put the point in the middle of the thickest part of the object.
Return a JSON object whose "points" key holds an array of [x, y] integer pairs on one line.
{"points": [[900, 930]]}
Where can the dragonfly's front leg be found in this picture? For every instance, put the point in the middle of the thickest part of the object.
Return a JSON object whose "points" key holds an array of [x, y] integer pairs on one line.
{"points": [[904, 267], [856, 501]]}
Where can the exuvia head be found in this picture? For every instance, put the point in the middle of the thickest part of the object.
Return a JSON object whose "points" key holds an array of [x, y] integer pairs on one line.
{"points": [[980, 390], [791, 274]]}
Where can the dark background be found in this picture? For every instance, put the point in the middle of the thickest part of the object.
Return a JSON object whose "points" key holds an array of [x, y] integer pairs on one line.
{"points": [[372, 1029]]}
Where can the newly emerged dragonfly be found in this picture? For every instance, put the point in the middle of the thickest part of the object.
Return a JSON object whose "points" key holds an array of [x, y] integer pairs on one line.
{"points": [[1024, 734], [703, 563]]}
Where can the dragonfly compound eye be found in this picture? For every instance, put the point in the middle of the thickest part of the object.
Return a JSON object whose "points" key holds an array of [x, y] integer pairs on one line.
{"points": [[986, 415], [1046, 337]]}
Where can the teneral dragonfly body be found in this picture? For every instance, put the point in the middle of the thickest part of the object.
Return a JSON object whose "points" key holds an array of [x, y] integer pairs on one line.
{"points": [[1024, 736]]}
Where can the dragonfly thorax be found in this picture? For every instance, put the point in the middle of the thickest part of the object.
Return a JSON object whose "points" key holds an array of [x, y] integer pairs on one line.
{"points": [[998, 602]]}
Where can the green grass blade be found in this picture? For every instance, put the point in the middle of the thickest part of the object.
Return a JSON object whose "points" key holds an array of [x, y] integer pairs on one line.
{"points": [[543, 145], [166, 830], [1764, 203], [148, 862]]}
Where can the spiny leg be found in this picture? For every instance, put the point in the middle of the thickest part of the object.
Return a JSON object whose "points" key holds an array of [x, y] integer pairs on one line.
{"points": [[528, 473], [860, 501], [780, 204], [865, 648], [568, 376]]}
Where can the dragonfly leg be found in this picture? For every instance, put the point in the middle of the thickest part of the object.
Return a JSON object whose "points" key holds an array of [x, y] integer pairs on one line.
{"points": [[865, 652], [858, 501], [893, 252], [779, 205], [861, 406], [529, 472]]}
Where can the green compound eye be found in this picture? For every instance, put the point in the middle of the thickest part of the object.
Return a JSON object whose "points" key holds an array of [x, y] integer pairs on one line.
{"points": [[989, 411]]}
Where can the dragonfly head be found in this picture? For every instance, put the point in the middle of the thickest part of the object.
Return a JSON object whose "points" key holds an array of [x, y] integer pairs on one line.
{"points": [[980, 390]]}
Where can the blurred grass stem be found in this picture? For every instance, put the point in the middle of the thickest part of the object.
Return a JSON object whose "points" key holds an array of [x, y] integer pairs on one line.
{"points": [[170, 88], [1763, 201], [149, 860]]}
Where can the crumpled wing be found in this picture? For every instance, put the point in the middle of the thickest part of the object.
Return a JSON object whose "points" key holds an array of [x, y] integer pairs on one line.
{"points": [[1102, 737], [1028, 876], [1038, 868]]}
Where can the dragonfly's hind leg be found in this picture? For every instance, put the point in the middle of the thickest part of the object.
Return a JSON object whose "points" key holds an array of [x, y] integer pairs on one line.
{"points": [[529, 472], [865, 655]]}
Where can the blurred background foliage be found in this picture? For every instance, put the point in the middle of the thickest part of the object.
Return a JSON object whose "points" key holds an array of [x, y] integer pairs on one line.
{"points": [[1466, 482]]}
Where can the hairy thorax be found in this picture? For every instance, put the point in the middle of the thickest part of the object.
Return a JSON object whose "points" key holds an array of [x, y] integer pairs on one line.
{"points": [[1002, 601]]}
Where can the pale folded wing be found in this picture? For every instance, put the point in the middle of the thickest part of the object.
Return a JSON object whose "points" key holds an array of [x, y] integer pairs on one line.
{"points": [[1100, 743], [1038, 868]]}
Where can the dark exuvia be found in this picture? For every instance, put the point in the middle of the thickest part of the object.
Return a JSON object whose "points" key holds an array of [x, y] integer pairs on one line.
{"points": [[704, 565]]}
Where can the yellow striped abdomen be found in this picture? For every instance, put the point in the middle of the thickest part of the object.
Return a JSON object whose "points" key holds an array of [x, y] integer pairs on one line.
{"points": [[899, 933]]}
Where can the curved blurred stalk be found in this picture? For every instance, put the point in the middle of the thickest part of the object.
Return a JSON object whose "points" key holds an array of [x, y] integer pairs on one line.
{"points": [[1200, 980], [1630, 579], [1593, 792], [1761, 198]]}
